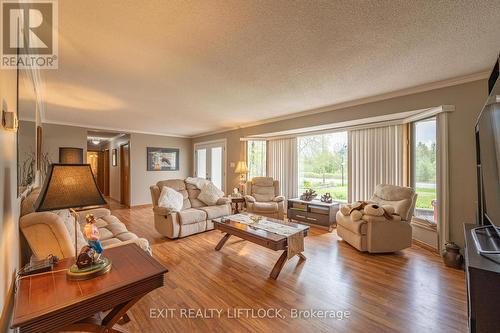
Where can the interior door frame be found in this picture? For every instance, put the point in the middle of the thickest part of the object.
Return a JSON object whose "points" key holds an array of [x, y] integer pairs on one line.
{"points": [[209, 144], [106, 171], [124, 201]]}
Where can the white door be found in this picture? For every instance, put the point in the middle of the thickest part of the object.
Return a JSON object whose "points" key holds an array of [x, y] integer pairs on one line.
{"points": [[210, 162]]}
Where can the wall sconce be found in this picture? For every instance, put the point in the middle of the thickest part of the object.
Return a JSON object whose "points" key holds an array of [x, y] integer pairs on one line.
{"points": [[9, 121]]}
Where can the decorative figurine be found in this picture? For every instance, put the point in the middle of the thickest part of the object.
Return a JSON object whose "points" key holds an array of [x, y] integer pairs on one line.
{"points": [[452, 257], [236, 193], [86, 257], [308, 195], [326, 198], [91, 232]]}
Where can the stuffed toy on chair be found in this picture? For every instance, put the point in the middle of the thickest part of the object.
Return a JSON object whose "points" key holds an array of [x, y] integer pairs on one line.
{"points": [[357, 209]]}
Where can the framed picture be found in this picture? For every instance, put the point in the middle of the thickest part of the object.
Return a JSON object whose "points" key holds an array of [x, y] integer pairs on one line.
{"points": [[163, 159], [113, 158]]}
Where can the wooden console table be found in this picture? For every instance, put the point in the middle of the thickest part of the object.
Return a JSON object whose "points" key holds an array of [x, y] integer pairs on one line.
{"points": [[51, 303], [313, 212]]}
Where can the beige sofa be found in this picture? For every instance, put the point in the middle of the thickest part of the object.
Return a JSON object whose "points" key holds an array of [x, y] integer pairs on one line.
{"points": [[194, 217], [262, 197], [53, 232], [377, 234]]}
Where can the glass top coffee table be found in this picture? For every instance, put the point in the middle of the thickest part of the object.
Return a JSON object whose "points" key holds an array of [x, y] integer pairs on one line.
{"points": [[270, 240]]}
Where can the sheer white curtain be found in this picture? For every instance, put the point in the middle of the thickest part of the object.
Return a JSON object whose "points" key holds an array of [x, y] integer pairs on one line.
{"points": [[375, 157], [283, 166], [442, 188]]}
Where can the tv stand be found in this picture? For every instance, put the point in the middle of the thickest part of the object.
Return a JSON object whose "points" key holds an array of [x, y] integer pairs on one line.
{"points": [[483, 278]]}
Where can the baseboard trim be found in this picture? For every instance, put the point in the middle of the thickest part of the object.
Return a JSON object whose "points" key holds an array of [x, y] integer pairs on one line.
{"points": [[142, 206], [425, 246]]}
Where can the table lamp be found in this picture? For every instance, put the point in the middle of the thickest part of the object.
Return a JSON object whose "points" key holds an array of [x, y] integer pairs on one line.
{"points": [[72, 186], [242, 169]]}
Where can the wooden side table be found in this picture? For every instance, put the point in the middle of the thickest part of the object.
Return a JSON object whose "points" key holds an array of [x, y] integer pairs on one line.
{"points": [[235, 202], [51, 303]]}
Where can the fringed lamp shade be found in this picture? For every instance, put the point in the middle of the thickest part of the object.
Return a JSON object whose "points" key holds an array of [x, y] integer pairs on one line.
{"points": [[69, 186], [242, 169]]}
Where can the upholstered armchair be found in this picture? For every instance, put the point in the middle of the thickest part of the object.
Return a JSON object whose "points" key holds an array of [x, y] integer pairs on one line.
{"points": [[376, 234], [262, 197]]}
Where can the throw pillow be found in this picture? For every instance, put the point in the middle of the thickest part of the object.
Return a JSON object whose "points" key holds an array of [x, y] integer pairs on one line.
{"points": [[197, 181], [170, 199], [210, 194]]}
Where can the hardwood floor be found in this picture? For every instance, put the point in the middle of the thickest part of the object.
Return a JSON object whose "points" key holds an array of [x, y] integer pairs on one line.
{"points": [[411, 291]]}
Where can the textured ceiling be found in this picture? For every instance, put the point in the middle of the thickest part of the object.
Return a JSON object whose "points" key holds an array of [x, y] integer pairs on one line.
{"points": [[190, 67]]}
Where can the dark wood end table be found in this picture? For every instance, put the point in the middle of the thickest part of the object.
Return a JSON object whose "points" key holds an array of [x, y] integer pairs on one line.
{"points": [[235, 202], [51, 303]]}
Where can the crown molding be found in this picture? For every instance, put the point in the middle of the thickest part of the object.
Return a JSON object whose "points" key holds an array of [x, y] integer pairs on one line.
{"points": [[376, 98], [113, 129]]}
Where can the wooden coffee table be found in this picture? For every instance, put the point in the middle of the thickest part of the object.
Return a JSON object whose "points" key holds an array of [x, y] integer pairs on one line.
{"points": [[261, 237], [52, 303]]}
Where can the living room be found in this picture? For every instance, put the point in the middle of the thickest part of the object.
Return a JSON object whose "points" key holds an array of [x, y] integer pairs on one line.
{"points": [[246, 165]]}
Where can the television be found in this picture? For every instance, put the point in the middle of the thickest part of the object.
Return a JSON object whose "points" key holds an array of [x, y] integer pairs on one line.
{"points": [[488, 170]]}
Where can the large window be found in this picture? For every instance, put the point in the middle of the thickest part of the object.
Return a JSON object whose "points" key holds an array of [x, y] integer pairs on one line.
{"points": [[424, 168], [256, 158], [323, 164]]}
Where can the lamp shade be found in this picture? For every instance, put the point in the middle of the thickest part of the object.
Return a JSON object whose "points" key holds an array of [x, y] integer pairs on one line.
{"points": [[241, 167], [69, 186]]}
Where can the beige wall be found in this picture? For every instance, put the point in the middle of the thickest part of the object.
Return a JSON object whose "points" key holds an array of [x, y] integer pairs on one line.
{"points": [[141, 179], [55, 136], [9, 204], [468, 100]]}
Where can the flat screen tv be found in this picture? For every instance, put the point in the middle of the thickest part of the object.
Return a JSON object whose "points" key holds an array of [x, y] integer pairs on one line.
{"points": [[488, 167]]}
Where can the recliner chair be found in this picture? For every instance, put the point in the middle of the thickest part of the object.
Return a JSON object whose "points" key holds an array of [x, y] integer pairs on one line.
{"points": [[376, 234], [262, 197]]}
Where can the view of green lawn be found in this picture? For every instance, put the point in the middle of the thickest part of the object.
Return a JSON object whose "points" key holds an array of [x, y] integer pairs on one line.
{"points": [[424, 198]]}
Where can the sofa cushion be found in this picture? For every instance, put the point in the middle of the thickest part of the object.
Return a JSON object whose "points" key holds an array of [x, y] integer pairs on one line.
{"points": [[356, 227], [265, 207], [263, 193], [117, 228], [105, 233], [210, 194], [107, 242], [401, 198], [125, 236], [191, 215], [197, 182], [214, 212], [263, 181], [69, 223], [193, 193], [28, 203], [171, 199]]}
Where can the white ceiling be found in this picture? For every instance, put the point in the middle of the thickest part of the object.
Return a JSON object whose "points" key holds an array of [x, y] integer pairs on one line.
{"points": [[191, 67]]}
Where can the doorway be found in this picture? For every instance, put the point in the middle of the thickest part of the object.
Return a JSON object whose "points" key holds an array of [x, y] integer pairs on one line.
{"points": [[125, 174], [96, 161], [210, 162], [106, 172]]}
